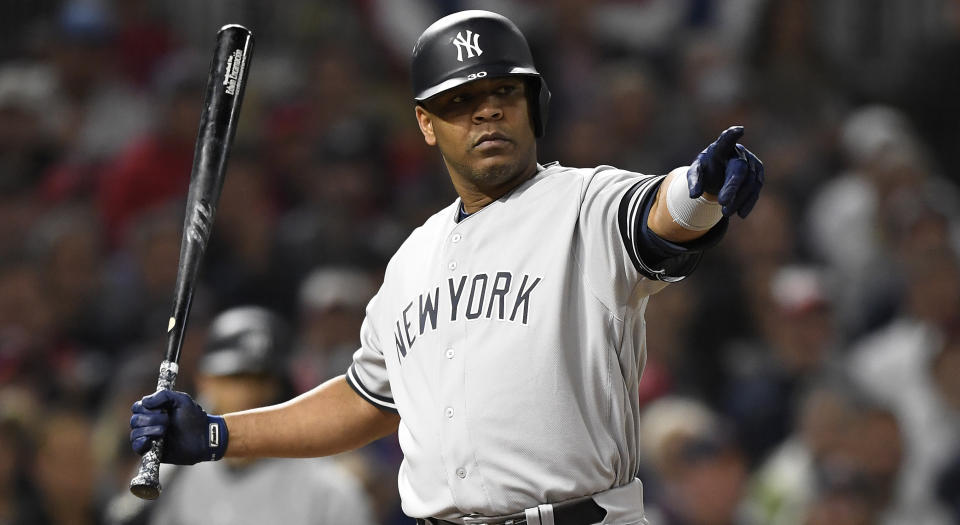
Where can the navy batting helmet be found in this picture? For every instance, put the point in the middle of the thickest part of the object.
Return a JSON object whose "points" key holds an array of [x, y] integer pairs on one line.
{"points": [[471, 45], [246, 340]]}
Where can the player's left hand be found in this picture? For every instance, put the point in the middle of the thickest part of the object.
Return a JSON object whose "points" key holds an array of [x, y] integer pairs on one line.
{"points": [[184, 426], [728, 171]]}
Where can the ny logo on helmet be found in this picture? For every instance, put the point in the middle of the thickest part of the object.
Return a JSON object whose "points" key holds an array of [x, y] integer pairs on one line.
{"points": [[465, 44]]}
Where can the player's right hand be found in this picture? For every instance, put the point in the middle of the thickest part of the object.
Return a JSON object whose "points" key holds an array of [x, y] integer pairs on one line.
{"points": [[187, 430], [729, 171]]}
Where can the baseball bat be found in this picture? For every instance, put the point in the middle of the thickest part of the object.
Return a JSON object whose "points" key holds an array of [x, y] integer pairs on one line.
{"points": [[218, 123]]}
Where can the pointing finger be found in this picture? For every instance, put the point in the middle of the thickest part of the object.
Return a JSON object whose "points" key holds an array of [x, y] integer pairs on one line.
{"points": [[726, 143]]}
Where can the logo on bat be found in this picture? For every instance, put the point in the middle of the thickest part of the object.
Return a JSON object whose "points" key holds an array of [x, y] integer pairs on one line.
{"points": [[465, 44], [200, 223], [232, 76]]}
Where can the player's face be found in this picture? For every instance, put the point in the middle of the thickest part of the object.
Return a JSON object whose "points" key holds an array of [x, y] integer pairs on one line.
{"points": [[483, 131]]}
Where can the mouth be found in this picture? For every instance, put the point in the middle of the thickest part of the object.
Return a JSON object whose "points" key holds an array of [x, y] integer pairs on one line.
{"points": [[492, 140]]}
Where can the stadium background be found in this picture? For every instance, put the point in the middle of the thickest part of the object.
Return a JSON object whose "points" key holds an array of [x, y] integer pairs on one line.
{"points": [[806, 374]]}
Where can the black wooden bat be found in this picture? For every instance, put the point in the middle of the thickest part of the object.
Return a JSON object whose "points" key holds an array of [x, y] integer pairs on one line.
{"points": [[218, 125]]}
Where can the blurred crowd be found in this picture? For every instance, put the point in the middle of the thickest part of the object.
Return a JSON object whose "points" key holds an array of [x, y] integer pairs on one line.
{"points": [[808, 373]]}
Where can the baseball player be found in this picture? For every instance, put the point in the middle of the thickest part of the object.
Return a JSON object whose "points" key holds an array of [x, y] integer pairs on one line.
{"points": [[506, 343]]}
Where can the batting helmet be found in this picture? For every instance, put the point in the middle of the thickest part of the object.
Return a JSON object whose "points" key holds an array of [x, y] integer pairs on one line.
{"points": [[471, 45], [246, 340]]}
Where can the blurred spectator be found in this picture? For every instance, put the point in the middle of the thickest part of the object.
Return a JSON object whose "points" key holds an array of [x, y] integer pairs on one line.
{"points": [[341, 218], [737, 299], [795, 342], [854, 487], [242, 368], [852, 219], [27, 130], [787, 483], [155, 169], [143, 39], [98, 113], [905, 353], [698, 474], [64, 469], [332, 307], [35, 352], [68, 248], [243, 264], [26, 324], [634, 101], [826, 469]]}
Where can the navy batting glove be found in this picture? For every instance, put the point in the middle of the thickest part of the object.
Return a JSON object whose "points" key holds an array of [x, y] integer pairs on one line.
{"points": [[729, 171], [189, 434]]}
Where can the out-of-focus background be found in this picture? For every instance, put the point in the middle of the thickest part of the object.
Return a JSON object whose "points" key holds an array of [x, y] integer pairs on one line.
{"points": [[808, 373]]}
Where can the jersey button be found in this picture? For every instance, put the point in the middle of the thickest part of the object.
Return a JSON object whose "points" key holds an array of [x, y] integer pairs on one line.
{"points": [[461, 473], [456, 237], [449, 353], [452, 265], [448, 412]]}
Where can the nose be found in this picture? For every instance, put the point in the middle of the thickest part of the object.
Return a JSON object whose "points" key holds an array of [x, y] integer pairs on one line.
{"points": [[488, 110]]}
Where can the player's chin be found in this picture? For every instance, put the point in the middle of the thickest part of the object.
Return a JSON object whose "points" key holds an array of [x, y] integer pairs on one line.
{"points": [[495, 171], [494, 162]]}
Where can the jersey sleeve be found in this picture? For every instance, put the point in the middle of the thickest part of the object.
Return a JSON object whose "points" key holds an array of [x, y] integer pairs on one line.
{"points": [[367, 375], [617, 249]]}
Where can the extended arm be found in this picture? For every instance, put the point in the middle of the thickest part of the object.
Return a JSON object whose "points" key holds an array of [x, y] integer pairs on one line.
{"points": [[667, 223], [327, 420]]}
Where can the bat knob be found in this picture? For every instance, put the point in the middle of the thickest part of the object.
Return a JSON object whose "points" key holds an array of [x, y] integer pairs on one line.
{"points": [[146, 484], [144, 490]]}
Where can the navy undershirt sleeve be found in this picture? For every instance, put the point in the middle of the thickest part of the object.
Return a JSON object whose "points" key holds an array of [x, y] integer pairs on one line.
{"points": [[655, 257]]}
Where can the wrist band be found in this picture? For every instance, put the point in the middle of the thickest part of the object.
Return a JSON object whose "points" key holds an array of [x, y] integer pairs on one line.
{"points": [[692, 214], [216, 437]]}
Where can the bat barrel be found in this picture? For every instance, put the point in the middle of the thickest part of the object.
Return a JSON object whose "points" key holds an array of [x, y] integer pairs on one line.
{"points": [[226, 84]]}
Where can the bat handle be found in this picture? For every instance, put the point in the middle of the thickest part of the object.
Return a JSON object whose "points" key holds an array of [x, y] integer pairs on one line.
{"points": [[146, 484]]}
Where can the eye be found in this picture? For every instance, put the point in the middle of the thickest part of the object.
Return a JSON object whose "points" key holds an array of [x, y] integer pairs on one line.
{"points": [[506, 89]]}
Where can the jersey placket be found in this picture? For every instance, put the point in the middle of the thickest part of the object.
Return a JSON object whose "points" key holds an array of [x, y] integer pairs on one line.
{"points": [[456, 448]]}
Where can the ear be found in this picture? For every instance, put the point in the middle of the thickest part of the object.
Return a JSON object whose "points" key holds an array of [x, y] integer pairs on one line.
{"points": [[426, 125]]}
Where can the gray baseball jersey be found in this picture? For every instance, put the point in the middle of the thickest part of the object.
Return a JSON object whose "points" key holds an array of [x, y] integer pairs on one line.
{"points": [[512, 342]]}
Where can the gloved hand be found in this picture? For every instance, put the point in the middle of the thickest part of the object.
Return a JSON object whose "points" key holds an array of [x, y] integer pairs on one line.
{"points": [[189, 434], [729, 171]]}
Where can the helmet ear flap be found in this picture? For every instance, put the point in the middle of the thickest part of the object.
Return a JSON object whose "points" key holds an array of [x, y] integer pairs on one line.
{"points": [[538, 102], [542, 106]]}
